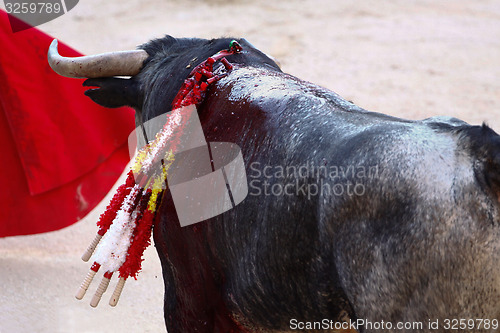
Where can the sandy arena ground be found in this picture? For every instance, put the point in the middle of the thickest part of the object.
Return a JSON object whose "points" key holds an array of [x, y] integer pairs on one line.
{"points": [[412, 59]]}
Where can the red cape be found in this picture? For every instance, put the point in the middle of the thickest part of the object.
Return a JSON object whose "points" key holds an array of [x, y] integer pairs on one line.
{"points": [[61, 153]]}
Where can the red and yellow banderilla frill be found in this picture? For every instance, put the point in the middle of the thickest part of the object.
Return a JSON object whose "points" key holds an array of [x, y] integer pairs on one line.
{"points": [[125, 226]]}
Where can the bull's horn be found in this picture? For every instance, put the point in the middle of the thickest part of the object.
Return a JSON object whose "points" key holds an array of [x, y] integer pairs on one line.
{"points": [[121, 63]]}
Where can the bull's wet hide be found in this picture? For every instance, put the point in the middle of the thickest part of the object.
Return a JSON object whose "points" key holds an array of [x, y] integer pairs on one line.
{"points": [[419, 240]]}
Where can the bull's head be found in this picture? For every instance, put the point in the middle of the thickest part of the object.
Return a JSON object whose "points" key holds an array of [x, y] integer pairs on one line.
{"points": [[157, 70]]}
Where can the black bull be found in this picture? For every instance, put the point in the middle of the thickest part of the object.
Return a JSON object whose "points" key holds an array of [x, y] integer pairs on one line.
{"points": [[350, 213]]}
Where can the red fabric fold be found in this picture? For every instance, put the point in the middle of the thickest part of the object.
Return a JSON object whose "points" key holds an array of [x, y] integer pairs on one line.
{"points": [[61, 153]]}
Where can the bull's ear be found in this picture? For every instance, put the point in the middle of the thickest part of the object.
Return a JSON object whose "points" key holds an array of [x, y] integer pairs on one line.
{"points": [[114, 92]]}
